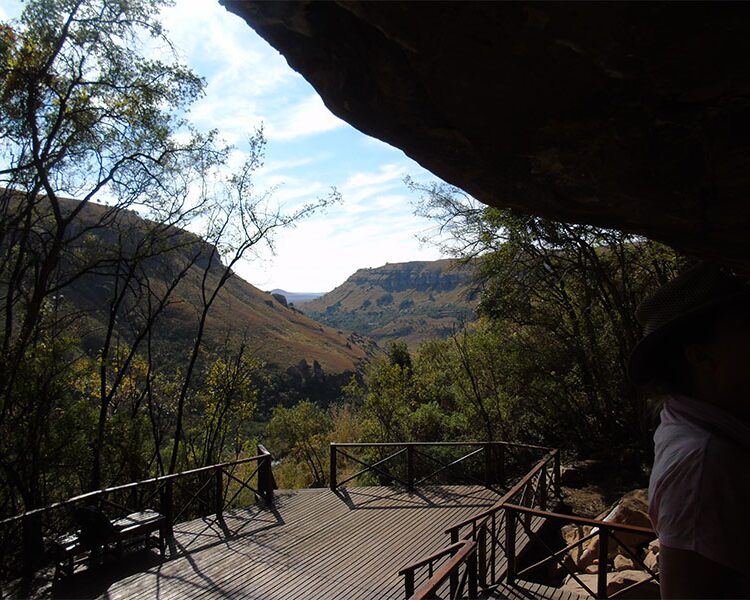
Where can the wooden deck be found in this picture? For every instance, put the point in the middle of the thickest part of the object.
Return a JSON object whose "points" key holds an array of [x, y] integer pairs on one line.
{"points": [[309, 544], [523, 590]]}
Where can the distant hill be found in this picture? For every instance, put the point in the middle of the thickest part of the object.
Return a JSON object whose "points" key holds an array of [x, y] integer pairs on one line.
{"points": [[297, 297], [274, 331], [410, 302]]}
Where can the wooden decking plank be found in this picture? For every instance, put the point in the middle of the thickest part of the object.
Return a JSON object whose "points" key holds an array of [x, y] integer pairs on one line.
{"points": [[371, 574], [342, 545], [314, 551], [374, 540], [389, 566], [330, 576], [427, 539], [283, 542], [219, 556], [311, 543]]}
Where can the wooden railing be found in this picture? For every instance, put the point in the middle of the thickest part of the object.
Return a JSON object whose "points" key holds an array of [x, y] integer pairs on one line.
{"points": [[201, 492], [606, 532], [460, 573], [411, 464], [480, 548]]}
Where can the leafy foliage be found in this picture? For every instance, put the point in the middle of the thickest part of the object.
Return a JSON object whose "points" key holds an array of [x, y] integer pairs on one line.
{"points": [[85, 113]]}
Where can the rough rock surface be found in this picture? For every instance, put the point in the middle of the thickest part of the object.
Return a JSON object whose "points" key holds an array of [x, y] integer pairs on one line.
{"points": [[631, 510], [615, 582], [629, 115], [409, 302]]}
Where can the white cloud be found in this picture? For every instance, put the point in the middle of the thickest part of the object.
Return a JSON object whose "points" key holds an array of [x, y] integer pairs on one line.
{"points": [[385, 174], [272, 166], [361, 189], [307, 117], [374, 225], [249, 83]]}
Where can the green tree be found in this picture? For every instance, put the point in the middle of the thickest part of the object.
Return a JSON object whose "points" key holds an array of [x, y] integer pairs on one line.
{"points": [[388, 402], [562, 298], [398, 354], [301, 431], [224, 402], [82, 114], [85, 114]]}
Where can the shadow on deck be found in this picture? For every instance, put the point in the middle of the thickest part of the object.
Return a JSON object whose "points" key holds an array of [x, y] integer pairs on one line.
{"points": [[309, 543]]}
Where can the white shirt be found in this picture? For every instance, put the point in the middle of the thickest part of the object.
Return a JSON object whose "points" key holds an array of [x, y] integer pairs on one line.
{"points": [[699, 492]]}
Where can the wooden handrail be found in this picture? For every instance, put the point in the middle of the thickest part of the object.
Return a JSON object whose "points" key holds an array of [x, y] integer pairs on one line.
{"points": [[392, 444], [434, 556], [603, 530], [337, 448], [448, 569], [542, 464], [133, 484], [622, 527], [478, 571]]}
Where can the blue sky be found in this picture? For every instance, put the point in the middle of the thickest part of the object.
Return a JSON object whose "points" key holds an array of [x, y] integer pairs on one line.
{"points": [[308, 151]]}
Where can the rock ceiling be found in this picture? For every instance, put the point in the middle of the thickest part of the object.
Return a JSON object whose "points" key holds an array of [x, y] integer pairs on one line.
{"points": [[634, 116]]}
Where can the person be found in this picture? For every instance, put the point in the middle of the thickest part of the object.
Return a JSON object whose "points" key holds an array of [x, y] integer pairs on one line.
{"points": [[695, 356]]}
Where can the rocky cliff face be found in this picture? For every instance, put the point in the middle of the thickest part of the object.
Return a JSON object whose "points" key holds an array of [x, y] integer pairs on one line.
{"points": [[410, 302], [630, 115], [414, 276]]}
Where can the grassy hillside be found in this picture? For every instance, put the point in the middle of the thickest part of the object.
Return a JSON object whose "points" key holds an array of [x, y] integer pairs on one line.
{"points": [[274, 331], [409, 302]]}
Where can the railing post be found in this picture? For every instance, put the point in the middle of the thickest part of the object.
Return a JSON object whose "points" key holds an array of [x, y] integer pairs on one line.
{"points": [[218, 492], [488, 464], [527, 499], [454, 535], [266, 482], [482, 555], [409, 584], [167, 507], [510, 545], [493, 549], [332, 476], [410, 466], [454, 581], [33, 546], [472, 575], [601, 578], [500, 458], [558, 492], [543, 489]]}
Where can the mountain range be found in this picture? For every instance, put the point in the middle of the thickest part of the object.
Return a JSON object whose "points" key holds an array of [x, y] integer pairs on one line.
{"points": [[409, 302], [297, 297]]}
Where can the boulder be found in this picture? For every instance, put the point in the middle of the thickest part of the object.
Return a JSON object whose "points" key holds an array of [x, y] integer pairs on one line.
{"points": [[281, 299], [593, 567], [622, 579], [623, 563], [615, 582], [637, 501], [571, 585], [651, 561], [571, 534], [630, 512]]}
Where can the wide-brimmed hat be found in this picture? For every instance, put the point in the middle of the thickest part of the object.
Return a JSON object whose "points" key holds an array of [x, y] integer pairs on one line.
{"points": [[689, 295]]}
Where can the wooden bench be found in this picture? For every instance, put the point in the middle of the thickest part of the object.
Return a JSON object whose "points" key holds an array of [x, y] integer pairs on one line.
{"points": [[131, 529]]}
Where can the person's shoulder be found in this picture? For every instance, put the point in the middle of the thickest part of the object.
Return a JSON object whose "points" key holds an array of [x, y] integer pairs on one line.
{"points": [[679, 441]]}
